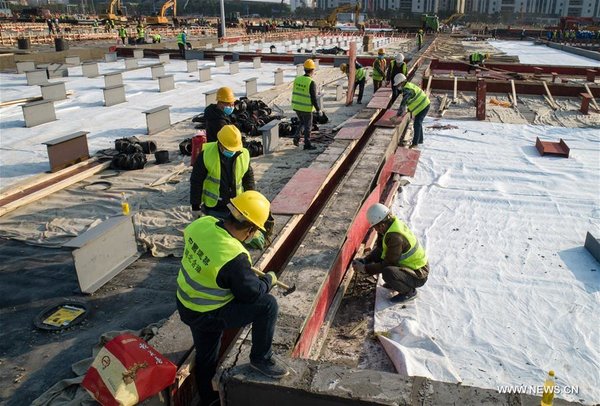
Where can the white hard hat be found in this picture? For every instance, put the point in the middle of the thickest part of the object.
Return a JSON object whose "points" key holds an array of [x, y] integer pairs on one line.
{"points": [[399, 78], [377, 213], [400, 58]]}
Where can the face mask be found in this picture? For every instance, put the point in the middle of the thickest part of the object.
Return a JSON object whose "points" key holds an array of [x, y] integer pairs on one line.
{"points": [[379, 56], [228, 110], [228, 154]]}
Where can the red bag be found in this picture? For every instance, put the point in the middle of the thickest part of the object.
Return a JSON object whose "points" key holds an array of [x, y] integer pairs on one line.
{"points": [[127, 371]]}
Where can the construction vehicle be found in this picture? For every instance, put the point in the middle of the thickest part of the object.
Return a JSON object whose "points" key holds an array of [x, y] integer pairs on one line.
{"points": [[161, 17], [579, 23], [454, 17], [428, 23], [332, 19], [114, 12]]}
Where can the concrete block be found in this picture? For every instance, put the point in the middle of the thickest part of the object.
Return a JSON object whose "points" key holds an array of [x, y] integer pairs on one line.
{"points": [[166, 83], [54, 91], [251, 87], [299, 70], [158, 119], [204, 73], [339, 93], [210, 97], [72, 60], [114, 95], [246, 47], [113, 79], [219, 61], [234, 68], [68, 150], [131, 63], [192, 65], [235, 57], [110, 57], [157, 70], [103, 251], [38, 112], [56, 70], [278, 77], [24, 66], [138, 54], [89, 69], [256, 62], [164, 58], [270, 136], [36, 77], [208, 46]]}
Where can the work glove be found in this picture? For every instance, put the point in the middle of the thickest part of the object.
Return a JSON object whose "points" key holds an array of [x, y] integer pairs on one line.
{"points": [[272, 277], [258, 241]]}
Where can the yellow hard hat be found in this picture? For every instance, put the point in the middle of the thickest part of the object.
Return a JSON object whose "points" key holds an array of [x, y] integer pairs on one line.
{"points": [[225, 95], [487, 55], [230, 137], [381, 51], [309, 64], [251, 206], [344, 67]]}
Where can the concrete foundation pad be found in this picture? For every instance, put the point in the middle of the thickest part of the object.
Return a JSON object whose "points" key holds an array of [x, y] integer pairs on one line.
{"points": [[138, 53], [192, 65], [158, 119], [157, 70], [131, 63], [204, 74], [114, 95], [36, 77], [164, 58], [210, 97], [38, 112], [90, 69], [67, 150], [110, 57], [113, 79], [234, 68], [24, 66], [166, 83], [251, 87], [54, 91], [219, 61]]}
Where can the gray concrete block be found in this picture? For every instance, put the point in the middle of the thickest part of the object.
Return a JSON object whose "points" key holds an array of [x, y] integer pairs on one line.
{"points": [[24, 66], [270, 136], [192, 65], [210, 97], [592, 245], [36, 77], [157, 70], [110, 57], [114, 95], [138, 53], [164, 58], [57, 70], [219, 61], [73, 60], [89, 69], [256, 62], [246, 47], [131, 63], [278, 77], [158, 119], [113, 79], [38, 112], [54, 91], [204, 74], [234, 68], [251, 87], [166, 83]]}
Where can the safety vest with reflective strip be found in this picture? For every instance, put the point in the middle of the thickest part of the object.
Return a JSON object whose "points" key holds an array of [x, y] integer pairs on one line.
{"points": [[301, 94], [208, 248], [361, 73], [403, 68], [415, 257], [477, 57], [379, 66], [141, 33], [180, 38], [418, 101], [122, 32], [212, 183]]}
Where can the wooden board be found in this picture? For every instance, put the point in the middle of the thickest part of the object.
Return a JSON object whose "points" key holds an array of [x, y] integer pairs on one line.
{"points": [[297, 195], [405, 161], [384, 121], [353, 129], [379, 102]]}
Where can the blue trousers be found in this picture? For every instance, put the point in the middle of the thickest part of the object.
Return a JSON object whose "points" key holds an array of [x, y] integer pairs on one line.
{"points": [[418, 126]]}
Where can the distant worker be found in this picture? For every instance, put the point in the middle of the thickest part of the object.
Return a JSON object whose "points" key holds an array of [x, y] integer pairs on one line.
{"points": [[396, 66], [360, 77], [50, 23], [95, 25], [304, 101], [156, 38], [416, 101], [217, 290], [181, 41], [477, 59], [218, 114], [398, 256], [141, 34], [379, 69], [221, 172], [122, 34], [420, 39]]}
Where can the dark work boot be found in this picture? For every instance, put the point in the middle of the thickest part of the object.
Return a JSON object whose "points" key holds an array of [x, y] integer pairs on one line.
{"points": [[296, 141], [270, 368], [404, 298], [309, 146]]}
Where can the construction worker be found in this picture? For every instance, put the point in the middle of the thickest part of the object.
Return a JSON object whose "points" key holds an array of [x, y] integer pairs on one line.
{"points": [[478, 59], [141, 34], [416, 101], [181, 41], [217, 289], [396, 66], [360, 77], [156, 38], [379, 69], [398, 256], [219, 114], [304, 101], [221, 172], [122, 34], [420, 39]]}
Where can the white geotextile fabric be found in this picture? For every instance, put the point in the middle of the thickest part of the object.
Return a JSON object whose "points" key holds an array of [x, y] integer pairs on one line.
{"points": [[512, 292], [529, 53]]}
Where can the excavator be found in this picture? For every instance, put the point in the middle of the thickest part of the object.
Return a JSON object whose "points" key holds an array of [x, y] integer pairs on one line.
{"points": [[161, 18], [331, 20], [110, 12]]}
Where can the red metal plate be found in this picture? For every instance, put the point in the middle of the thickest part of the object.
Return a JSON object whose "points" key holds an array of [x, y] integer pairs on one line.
{"points": [[384, 121], [353, 129], [297, 195], [379, 102], [405, 161], [552, 148], [383, 91]]}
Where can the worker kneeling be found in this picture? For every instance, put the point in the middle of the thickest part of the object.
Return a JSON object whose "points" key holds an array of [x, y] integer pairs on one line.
{"points": [[398, 256], [217, 289]]}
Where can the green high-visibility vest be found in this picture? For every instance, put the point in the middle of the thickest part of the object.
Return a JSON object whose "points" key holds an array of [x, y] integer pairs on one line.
{"points": [[403, 68], [477, 57], [212, 183], [418, 101], [141, 32], [361, 73], [208, 248], [301, 94], [122, 32], [415, 257], [180, 38], [379, 66]]}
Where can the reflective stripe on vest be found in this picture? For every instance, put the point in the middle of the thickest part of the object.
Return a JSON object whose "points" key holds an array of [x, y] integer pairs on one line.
{"points": [[361, 73], [415, 257], [211, 188], [208, 248], [381, 65], [476, 57], [301, 94], [418, 101], [180, 38]]}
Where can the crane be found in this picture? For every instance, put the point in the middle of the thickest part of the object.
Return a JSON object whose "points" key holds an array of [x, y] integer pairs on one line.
{"points": [[161, 18]]}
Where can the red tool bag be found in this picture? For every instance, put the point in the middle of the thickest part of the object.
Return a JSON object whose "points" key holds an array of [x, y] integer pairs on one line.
{"points": [[127, 371]]}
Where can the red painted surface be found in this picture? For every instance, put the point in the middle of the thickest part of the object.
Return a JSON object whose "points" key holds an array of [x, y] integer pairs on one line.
{"points": [[480, 103], [384, 121], [386, 170], [510, 67], [297, 195], [585, 103], [559, 148], [405, 161], [590, 75], [379, 102], [353, 129]]}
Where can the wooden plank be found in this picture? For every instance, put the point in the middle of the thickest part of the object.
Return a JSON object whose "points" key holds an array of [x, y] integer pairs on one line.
{"points": [[405, 161], [298, 194], [592, 94], [384, 121], [443, 103], [455, 90], [428, 91], [551, 102], [353, 130], [514, 92]]}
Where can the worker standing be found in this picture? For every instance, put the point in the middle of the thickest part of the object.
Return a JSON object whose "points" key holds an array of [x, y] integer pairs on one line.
{"points": [[398, 256], [379, 69], [360, 77], [122, 34], [416, 101], [181, 41], [304, 100], [141, 34], [420, 39], [217, 289], [396, 66], [218, 114]]}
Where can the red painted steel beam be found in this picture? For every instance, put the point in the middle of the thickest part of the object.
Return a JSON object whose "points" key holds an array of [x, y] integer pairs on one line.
{"points": [[436, 64]]}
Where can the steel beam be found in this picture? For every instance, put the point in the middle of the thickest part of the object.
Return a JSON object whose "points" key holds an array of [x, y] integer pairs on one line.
{"points": [[436, 64]]}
